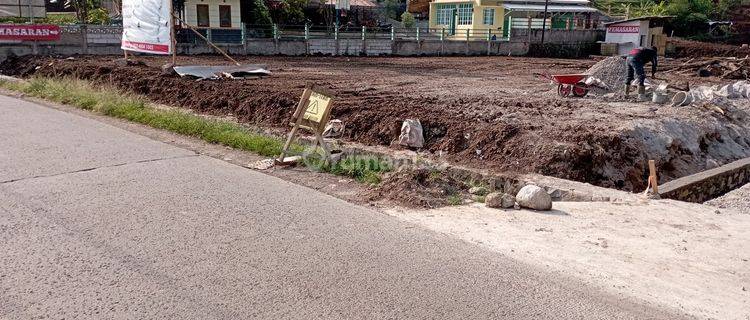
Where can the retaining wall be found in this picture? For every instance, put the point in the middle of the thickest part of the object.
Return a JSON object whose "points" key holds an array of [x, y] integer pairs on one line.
{"points": [[709, 184], [106, 40]]}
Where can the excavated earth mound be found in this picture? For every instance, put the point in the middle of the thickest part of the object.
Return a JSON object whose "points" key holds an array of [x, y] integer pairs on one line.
{"points": [[482, 112]]}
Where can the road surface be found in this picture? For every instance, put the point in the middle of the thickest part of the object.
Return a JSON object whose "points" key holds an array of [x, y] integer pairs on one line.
{"points": [[98, 222]]}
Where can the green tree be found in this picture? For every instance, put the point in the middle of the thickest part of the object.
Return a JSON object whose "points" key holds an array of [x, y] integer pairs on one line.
{"points": [[391, 9], [98, 16], [259, 14], [407, 19], [288, 11], [691, 16]]}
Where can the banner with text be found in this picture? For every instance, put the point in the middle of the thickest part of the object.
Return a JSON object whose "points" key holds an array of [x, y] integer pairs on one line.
{"points": [[33, 32], [147, 26]]}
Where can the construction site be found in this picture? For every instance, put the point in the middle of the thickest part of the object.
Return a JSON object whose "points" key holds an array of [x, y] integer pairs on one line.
{"points": [[502, 114], [458, 129]]}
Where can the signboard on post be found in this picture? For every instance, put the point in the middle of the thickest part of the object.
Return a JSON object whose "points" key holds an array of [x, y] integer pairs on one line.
{"points": [[32, 32], [624, 29], [312, 113], [147, 26]]}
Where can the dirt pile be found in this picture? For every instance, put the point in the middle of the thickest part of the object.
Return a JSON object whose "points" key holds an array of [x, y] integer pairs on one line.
{"points": [[724, 68], [490, 116], [696, 49], [419, 188], [611, 71]]}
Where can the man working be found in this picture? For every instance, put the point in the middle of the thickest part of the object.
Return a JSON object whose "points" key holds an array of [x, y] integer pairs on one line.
{"points": [[637, 59]]}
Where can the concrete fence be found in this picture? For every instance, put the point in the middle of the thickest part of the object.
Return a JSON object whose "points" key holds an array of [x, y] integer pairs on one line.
{"points": [[103, 40]]}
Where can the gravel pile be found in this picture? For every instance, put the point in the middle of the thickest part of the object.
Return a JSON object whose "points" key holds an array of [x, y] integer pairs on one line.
{"points": [[611, 71], [738, 199]]}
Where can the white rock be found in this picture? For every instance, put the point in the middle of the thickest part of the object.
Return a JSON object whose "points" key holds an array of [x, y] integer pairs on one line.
{"points": [[534, 197]]}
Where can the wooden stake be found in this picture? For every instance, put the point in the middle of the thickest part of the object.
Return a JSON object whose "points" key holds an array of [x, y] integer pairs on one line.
{"points": [[298, 115], [653, 180], [204, 38]]}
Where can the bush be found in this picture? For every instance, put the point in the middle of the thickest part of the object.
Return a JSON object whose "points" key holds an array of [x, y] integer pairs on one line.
{"points": [[98, 16], [407, 19]]}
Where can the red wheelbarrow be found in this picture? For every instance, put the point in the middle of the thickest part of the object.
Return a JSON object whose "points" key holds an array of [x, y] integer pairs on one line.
{"points": [[568, 83]]}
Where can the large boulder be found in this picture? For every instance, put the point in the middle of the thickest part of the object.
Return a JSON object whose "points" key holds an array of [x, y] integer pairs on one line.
{"points": [[534, 197], [499, 200]]}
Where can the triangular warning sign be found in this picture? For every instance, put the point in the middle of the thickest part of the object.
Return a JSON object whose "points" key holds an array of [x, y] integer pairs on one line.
{"points": [[313, 107]]}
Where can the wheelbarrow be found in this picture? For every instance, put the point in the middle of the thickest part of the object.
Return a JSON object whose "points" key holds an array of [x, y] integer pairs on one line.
{"points": [[568, 84]]}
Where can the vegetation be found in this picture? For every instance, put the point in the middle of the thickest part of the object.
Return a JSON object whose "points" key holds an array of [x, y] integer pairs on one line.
{"points": [[287, 12], [407, 19], [59, 19], [391, 9], [98, 16], [134, 108], [690, 16]]}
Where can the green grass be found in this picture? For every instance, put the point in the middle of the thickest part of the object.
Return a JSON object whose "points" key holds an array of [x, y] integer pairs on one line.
{"points": [[110, 102], [454, 200], [363, 169]]}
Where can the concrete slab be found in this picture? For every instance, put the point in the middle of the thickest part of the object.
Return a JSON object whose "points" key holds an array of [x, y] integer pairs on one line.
{"points": [[39, 141]]}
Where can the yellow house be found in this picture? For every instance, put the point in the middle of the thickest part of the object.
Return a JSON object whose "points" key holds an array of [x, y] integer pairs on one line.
{"points": [[477, 16], [483, 18]]}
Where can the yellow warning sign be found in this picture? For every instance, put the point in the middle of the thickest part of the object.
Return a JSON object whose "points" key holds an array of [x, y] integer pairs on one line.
{"points": [[317, 107]]}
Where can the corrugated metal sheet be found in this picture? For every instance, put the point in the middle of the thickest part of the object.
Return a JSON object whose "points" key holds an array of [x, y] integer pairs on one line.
{"points": [[216, 72]]}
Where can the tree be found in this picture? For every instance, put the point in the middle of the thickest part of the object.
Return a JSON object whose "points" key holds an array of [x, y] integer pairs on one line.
{"points": [[691, 16], [259, 14], [391, 9], [407, 19], [287, 11]]}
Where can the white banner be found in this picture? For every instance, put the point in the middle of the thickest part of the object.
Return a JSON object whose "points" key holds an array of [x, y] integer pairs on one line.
{"points": [[146, 26]]}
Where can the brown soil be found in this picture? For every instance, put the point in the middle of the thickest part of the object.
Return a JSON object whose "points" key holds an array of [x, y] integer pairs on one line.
{"points": [[696, 49], [484, 112], [419, 188]]}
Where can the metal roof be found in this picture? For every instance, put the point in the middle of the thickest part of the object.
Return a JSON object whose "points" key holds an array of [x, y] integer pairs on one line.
{"points": [[550, 8], [641, 18], [550, 1]]}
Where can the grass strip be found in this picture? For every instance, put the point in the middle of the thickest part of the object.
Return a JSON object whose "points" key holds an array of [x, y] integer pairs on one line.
{"points": [[110, 102]]}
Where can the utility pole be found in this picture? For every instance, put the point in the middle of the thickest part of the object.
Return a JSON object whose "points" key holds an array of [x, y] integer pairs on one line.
{"points": [[31, 12], [544, 19]]}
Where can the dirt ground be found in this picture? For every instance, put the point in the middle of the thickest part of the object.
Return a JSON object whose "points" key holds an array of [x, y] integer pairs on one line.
{"points": [[737, 199], [484, 112], [691, 258]]}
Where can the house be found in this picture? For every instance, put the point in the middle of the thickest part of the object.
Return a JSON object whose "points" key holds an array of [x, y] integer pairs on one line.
{"points": [[624, 35], [500, 16], [219, 20]]}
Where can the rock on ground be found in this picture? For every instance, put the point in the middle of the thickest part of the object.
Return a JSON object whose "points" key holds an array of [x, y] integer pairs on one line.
{"points": [[534, 197], [499, 200]]}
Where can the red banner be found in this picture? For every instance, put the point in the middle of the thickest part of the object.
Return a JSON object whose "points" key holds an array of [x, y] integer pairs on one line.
{"points": [[36, 32], [145, 47], [624, 29]]}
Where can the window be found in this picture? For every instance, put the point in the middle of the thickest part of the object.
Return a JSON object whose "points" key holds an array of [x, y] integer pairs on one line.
{"points": [[225, 16], [202, 13], [465, 11], [489, 16], [445, 14]]}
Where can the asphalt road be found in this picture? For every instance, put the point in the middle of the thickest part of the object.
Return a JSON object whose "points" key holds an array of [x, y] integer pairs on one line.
{"points": [[98, 222]]}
